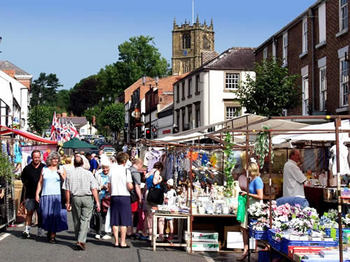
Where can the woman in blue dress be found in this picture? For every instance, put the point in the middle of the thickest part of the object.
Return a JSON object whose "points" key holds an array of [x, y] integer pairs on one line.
{"points": [[53, 217]]}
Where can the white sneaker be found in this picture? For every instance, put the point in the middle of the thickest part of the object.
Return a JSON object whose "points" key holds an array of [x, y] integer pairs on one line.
{"points": [[106, 237], [97, 236]]}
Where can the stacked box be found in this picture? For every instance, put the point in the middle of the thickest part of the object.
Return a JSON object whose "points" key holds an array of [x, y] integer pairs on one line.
{"points": [[204, 241]]}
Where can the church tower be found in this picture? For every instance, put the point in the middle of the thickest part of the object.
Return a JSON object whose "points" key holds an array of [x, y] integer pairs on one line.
{"points": [[193, 45]]}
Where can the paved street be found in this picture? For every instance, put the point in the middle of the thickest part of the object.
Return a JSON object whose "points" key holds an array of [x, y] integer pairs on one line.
{"points": [[15, 249]]}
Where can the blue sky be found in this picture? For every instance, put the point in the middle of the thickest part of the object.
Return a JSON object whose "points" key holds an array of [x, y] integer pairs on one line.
{"points": [[75, 38]]}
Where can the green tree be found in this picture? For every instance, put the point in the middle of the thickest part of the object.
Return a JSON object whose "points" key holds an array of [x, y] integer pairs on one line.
{"points": [[84, 94], [112, 116], [62, 102], [40, 117], [44, 89], [272, 91], [139, 57]]}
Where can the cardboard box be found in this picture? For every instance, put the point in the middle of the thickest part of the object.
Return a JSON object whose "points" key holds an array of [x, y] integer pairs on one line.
{"points": [[203, 236], [205, 246], [235, 241]]}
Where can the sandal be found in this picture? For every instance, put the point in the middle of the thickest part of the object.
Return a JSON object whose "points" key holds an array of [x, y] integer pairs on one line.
{"points": [[126, 246]]}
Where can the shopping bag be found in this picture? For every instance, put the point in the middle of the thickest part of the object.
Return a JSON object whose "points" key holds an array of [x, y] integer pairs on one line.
{"points": [[94, 220], [155, 195], [241, 210]]}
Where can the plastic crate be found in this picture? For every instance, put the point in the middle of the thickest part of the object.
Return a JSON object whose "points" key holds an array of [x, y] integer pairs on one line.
{"points": [[259, 235], [275, 244], [328, 231], [285, 243]]}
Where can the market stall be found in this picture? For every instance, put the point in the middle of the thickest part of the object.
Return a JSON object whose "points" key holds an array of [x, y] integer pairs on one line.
{"points": [[14, 152], [293, 229], [198, 173]]}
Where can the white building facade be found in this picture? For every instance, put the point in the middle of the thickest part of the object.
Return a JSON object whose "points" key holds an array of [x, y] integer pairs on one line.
{"points": [[14, 102], [207, 95]]}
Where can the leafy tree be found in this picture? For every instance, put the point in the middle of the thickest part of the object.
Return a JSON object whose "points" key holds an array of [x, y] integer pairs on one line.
{"points": [[273, 90], [44, 90], [112, 116], [62, 102], [139, 57], [84, 94], [40, 118]]}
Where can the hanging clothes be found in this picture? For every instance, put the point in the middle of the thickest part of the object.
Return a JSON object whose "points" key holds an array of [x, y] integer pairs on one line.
{"points": [[17, 153], [213, 160]]}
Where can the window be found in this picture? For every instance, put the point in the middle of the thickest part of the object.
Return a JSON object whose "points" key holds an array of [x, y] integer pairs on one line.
{"points": [[197, 84], [189, 87], [344, 82], [189, 116], [304, 42], [186, 41], [265, 53], [305, 95], [198, 114], [285, 49], [323, 88], [178, 118], [343, 15], [273, 48], [183, 90], [177, 93], [232, 112], [183, 118], [231, 81], [322, 23]]}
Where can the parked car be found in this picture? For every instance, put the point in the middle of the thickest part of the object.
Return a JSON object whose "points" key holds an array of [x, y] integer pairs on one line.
{"points": [[109, 151]]}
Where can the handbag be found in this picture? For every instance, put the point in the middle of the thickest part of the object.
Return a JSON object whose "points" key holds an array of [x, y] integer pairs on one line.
{"points": [[94, 221], [155, 195], [133, 196], [106, 203]]}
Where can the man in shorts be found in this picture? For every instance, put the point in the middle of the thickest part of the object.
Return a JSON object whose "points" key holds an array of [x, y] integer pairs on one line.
{"points": [[30, 178]]}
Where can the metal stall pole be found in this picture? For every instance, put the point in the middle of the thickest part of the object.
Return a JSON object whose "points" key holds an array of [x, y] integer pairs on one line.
{"points": [[247, 175], [337, 125], [190, 192], [270, 179]]}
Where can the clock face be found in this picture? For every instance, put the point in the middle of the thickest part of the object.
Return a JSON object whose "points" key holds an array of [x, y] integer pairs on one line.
{"points": [[184, 52]]}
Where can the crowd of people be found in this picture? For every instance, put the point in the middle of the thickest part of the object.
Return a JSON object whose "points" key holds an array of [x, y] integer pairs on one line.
{"points": [[113, 196]]}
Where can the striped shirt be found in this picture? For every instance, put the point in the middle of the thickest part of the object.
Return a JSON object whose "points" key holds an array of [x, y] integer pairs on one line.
{"points": [[80, 182]]}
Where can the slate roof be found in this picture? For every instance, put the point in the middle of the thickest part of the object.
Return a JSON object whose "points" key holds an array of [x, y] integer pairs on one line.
{"points": [[235, 58], [78, 121], [6, 65]]}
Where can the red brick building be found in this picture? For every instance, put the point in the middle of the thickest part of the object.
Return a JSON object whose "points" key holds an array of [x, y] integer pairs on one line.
{"points": [[315, 45]]}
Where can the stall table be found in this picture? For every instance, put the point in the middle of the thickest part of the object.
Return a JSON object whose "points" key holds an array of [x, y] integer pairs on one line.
{"points": [[180, 217]]}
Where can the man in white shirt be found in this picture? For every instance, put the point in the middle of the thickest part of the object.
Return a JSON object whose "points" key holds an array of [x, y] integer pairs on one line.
{"points": [[293, 177]]}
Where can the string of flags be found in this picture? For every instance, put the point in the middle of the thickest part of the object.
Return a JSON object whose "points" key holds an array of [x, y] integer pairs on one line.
{"points": [[62, 131]]}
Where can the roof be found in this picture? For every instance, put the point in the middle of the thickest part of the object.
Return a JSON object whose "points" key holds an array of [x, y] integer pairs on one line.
{"points": [[165, 84], [290, 24], [235, 58], [78, 121], [8, 66]]}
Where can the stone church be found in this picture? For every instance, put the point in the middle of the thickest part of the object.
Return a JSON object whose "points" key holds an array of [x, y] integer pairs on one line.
{"points": [[193, 45]]}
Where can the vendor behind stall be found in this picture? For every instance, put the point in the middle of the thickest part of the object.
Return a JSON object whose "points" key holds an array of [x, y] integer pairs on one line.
{"points": [[293, 177]]}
